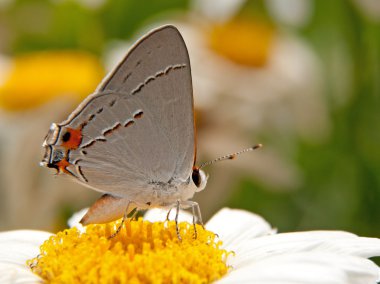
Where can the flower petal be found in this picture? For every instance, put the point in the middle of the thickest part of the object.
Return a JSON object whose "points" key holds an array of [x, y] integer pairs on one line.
{"points": [[74, 220], [235, 226], [324, 241], [16, 247], [306, 267], [12, 273]]}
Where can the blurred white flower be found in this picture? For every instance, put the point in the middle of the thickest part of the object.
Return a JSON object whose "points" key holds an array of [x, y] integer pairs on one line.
{"points": [[260, 255], [217, 10], [282, 92], [249, 79], [295, 13]]}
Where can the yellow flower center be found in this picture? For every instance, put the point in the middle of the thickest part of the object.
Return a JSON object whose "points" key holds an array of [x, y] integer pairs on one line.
{"points": [[243, 41], [142, 252]]}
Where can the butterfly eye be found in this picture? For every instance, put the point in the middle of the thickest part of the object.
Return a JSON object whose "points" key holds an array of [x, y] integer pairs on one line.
{"points": [[196, 177], [199, 178]]}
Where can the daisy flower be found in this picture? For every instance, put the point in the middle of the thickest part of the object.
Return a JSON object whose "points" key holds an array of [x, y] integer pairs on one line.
{"points": [[236, 247]]}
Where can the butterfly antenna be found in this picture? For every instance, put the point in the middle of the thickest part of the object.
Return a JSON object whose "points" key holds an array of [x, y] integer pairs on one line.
{"points": [[230, 156]]}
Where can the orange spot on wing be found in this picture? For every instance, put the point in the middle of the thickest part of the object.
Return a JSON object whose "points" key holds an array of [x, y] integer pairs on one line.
{"points": [[62, 164], [75, 139]]}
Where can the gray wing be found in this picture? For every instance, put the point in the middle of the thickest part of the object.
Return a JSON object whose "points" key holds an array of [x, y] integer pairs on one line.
{"points": [[138, 128]]}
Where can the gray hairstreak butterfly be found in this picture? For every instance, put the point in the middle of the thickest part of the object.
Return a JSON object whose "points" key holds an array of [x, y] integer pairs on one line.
{"points": [[134, 138]]}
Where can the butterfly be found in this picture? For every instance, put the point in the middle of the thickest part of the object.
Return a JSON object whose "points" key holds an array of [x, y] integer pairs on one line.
{"points": [[134, 139]]}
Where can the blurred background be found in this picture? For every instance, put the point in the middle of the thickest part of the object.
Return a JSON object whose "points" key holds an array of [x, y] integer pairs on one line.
{"points": [[300, 76]]}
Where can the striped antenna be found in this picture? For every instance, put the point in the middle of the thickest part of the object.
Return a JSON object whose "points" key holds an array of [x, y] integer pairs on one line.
{"points": [[230, 156]]}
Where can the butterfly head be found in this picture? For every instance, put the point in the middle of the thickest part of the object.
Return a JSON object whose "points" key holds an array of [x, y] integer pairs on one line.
{"points": [[51, 155], [57, 143]]}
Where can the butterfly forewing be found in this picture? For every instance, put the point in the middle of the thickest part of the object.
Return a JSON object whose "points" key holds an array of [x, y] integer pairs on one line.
{"points": [[138, 127]]}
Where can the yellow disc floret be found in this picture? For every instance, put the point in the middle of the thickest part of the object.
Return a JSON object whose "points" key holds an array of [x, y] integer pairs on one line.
{"points": [[142, 252]]}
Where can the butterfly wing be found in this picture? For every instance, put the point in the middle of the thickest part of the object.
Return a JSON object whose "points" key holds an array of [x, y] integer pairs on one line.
{"points": [[138, 127]]}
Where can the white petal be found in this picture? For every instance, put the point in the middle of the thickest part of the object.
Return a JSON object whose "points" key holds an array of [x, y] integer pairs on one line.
{"points": [[27, 236], [235, 226], [12, 273], [323, 241], [16, 247], [306, 267], [159, 215], [74, 220]]}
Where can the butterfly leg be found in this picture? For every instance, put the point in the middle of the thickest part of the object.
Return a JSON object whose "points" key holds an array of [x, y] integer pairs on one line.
{"points": [[133, 214], [125, 216], [197, 216], [200, 221], [176, 220], [167, 215], [194, 225]]}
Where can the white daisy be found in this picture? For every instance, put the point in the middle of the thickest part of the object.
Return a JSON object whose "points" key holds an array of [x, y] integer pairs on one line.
{"points": [[259, 254]]}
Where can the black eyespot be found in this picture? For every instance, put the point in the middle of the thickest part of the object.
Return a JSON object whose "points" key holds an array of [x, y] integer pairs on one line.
{"points": [[196, 177], [66, 137]]}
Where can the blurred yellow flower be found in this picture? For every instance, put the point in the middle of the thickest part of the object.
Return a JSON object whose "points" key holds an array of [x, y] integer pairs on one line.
{"points": [[36, 78], [244, 41]]}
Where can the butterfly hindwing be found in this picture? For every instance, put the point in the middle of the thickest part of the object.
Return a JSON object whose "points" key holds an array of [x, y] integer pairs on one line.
{"points": [[138, 127]]}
